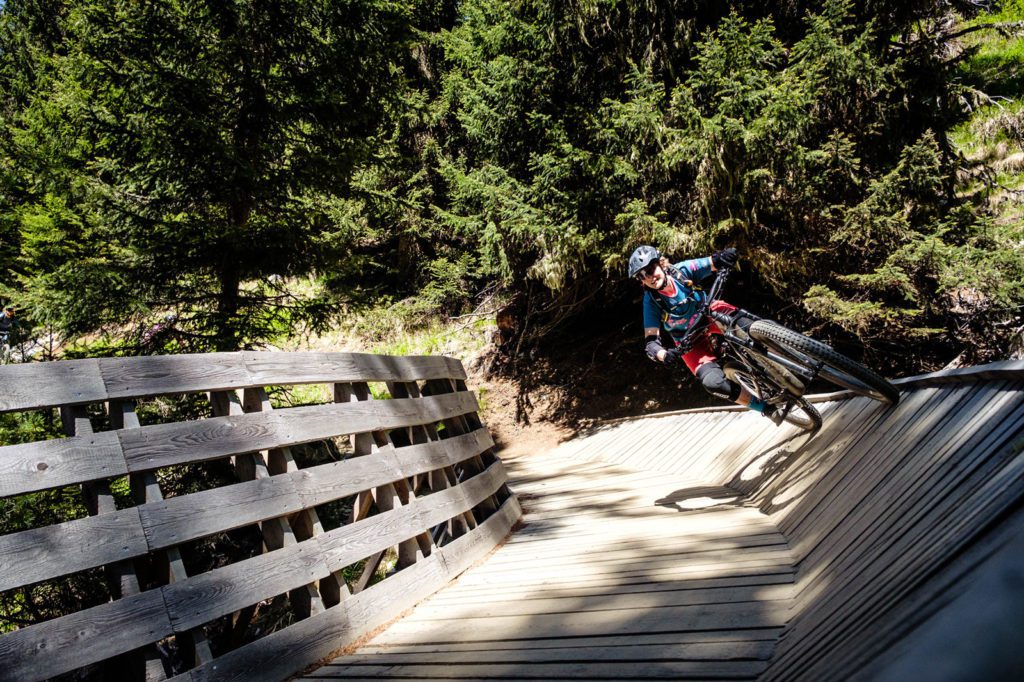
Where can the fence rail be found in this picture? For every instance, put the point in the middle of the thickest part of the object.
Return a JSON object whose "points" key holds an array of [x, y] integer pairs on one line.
{"points": [[391, 450]]}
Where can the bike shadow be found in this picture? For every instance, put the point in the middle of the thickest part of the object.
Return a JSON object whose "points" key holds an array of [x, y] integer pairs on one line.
{"points": [[753, 476], [700, 498]]}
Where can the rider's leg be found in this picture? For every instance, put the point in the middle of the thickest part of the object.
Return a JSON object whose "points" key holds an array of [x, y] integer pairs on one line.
{"points": [[703, 363], [715, 382]]}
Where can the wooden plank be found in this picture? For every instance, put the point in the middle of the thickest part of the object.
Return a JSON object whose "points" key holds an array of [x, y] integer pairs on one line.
{"points": [[668, 619], [527, 670], [39, 554], [35, 385], [161, 445], [70, 642], [315, 637], [75, 382], [327, 482], [585, 576], [813, 482], [31, 467], [525, 652], [869, 587], [348, 544], [179, 519], [202, 598], [613, 560], [760, 637], [903, 561], [162, 374], [900, 475], [458, 595], [266, 369], [1012, 370], [544, 604]]}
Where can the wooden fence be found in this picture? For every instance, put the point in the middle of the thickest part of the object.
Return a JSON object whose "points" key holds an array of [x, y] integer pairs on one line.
{"points": [[393, 454]]}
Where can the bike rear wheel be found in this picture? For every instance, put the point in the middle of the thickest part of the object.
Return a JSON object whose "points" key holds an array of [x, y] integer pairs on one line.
{"points": [[799, 413], [836, 367]]}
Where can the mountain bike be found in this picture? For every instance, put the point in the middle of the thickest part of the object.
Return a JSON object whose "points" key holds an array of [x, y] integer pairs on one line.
{"points": [[777, 364]]}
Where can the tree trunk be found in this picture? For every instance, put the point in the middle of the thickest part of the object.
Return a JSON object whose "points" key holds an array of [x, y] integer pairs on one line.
{"points": [[226, 323]]}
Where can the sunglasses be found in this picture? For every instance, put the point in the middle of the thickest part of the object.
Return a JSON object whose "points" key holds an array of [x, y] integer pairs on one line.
{"points": [[647, 272]]}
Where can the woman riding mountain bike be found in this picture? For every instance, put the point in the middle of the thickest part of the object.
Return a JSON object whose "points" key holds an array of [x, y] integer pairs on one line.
{"points": [[672, 302], [735, 354]]}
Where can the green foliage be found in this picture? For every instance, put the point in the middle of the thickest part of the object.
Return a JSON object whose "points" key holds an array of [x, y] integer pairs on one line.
{"points": [[171, 152], [196, 158]]}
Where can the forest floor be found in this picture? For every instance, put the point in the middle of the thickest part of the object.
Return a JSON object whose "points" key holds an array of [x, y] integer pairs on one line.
{"points": [[561, 395]]}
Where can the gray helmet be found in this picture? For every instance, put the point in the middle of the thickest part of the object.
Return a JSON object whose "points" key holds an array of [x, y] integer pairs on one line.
{"points": [[641, 258]]}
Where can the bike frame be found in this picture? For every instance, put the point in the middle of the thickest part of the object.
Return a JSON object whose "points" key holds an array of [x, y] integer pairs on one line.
{"points": [[745, 350]]}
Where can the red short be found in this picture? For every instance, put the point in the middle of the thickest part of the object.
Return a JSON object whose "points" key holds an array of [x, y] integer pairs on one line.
{"points": [[701, 351]]}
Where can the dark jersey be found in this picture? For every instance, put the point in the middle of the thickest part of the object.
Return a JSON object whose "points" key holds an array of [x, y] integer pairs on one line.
{"points": [[676, 309]]}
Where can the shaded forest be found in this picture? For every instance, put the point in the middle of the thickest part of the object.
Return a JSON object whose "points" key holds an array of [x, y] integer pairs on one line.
{"points": [[179, 164]]}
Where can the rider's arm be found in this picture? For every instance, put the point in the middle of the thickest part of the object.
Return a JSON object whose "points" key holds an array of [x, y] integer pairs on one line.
{"points": [[652, 329], [652, 344], [696, 269]]}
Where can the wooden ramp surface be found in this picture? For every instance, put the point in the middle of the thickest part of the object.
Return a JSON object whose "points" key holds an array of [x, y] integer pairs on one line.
{"points": [[643, 561], [612, 577]]}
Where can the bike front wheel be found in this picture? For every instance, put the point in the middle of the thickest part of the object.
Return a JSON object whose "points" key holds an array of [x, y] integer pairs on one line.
{"points": [[835, 367]]}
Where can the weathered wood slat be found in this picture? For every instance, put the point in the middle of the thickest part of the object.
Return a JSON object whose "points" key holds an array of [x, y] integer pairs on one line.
{"points": [[176, 520], [444, 610], [164, 374], [526, 670], [345, 545], [760, 637], [314, 638], [31, 467], [674, 619], [39, 554], [614, 650], [320, 484], [495, 592], [76, 382], [163, 445], [207, 596], [58, 646], [267, 369], [45, 384]]}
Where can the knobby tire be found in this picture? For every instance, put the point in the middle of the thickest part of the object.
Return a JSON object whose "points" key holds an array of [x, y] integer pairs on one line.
{"points": [[842, 371]]}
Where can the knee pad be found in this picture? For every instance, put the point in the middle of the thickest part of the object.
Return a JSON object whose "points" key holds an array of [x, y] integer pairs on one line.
{"points": [[715, 383]]}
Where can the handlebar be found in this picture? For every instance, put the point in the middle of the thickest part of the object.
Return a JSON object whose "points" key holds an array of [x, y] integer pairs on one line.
{"points": [[705, 310]]}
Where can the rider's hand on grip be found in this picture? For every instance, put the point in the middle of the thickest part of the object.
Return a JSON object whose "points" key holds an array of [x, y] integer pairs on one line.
{"points": [[672, 356], [726, 258]]}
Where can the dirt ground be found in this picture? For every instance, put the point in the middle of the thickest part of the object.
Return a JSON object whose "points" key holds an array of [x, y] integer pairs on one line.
{"points": [[559, 396], [498, 410]]}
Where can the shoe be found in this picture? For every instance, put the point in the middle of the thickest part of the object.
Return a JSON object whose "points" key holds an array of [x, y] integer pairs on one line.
{"points": [[774, 413]]}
